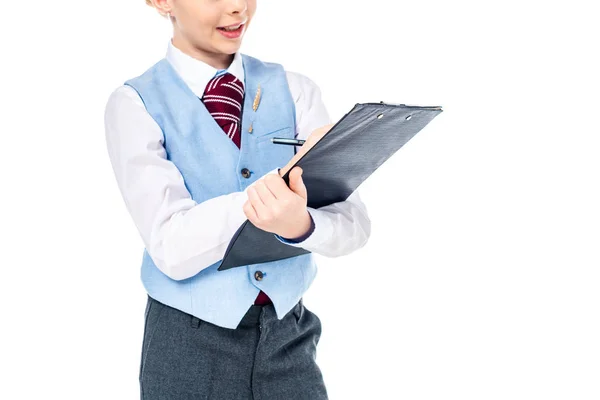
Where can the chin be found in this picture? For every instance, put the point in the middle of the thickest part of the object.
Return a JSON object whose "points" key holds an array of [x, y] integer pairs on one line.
{"points": [[228, 49]]}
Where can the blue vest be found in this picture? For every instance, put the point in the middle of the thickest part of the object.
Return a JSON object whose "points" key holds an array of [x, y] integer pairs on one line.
{"points": [[211, 165]]}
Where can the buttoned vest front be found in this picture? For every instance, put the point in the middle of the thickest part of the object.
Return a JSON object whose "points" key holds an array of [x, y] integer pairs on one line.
{"points": [[211, 165]]}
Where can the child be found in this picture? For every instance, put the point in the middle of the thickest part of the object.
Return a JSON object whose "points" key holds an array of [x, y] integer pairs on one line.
{"points": [[189, 142]]}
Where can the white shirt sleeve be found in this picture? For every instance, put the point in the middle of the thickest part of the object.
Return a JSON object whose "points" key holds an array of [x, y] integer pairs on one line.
{"points": [[342, 227], [181, 236]]}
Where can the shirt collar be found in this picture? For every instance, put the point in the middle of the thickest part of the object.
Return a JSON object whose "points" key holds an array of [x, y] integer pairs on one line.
{"points": [[195, 73]]}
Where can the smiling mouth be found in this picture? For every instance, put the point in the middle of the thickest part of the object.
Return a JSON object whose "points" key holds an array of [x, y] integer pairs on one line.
{"points": [[231, 28]]}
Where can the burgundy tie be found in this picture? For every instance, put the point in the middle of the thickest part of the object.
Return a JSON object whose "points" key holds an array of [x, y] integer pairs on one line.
{"points": [[223, 99]]}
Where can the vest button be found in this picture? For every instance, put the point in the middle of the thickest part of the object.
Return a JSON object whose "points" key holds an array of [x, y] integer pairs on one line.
{"points": [[245, 172], [258, 275]]}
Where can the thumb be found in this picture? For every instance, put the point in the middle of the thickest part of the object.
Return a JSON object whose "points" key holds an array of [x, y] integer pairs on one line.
{"points": [[296, 182]]}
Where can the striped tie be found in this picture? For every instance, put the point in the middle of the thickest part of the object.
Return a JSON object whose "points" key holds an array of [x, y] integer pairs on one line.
{"points": [[223, 99]]}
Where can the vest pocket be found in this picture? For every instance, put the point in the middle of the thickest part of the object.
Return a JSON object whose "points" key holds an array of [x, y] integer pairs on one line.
{"points": [[283, 132]]}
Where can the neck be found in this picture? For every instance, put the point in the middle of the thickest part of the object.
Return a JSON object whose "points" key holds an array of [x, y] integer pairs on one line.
{"points": [[215, 60]]}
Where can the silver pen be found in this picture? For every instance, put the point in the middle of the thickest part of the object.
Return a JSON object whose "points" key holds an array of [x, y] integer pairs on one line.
{"points": [[293, 142]]}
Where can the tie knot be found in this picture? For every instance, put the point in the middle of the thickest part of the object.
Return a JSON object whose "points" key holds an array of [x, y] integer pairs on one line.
{"points": [[223, 98], [226, 85]]}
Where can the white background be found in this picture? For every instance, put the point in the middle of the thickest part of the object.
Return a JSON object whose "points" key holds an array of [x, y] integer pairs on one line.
{"points": [[481, 277]]}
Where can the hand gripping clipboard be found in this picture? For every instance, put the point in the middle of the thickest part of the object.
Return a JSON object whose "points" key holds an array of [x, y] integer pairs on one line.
{"points": [[360, 142]]}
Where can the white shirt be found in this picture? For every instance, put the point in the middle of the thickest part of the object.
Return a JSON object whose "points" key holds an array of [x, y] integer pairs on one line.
{"points": [[183, 236]]}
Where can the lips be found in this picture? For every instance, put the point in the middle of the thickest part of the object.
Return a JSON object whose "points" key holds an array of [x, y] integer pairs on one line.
{"points": [[234, 31], [232, 27]]}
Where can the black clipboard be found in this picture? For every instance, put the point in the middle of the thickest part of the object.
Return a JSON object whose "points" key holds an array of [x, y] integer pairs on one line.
{"points": [[359, 143]]}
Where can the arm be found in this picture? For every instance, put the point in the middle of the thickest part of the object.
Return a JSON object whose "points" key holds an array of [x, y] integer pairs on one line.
{"points": [[182, 236], [339, 228]]}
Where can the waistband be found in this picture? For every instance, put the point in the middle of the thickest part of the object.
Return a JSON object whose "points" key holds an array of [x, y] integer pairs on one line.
{"points": [[253, 316]]}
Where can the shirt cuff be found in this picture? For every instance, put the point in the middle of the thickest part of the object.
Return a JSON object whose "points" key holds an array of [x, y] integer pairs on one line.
{"points": [[303, 237], [321, 230]]}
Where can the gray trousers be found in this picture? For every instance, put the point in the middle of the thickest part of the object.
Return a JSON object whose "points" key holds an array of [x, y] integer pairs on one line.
{"points": [[264, 358]]}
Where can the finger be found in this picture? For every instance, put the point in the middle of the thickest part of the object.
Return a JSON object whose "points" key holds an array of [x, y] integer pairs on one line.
{"points": [[295, 177], [277, 186], [262, 212], [250, 212], [265, 194], [297, 183]]}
